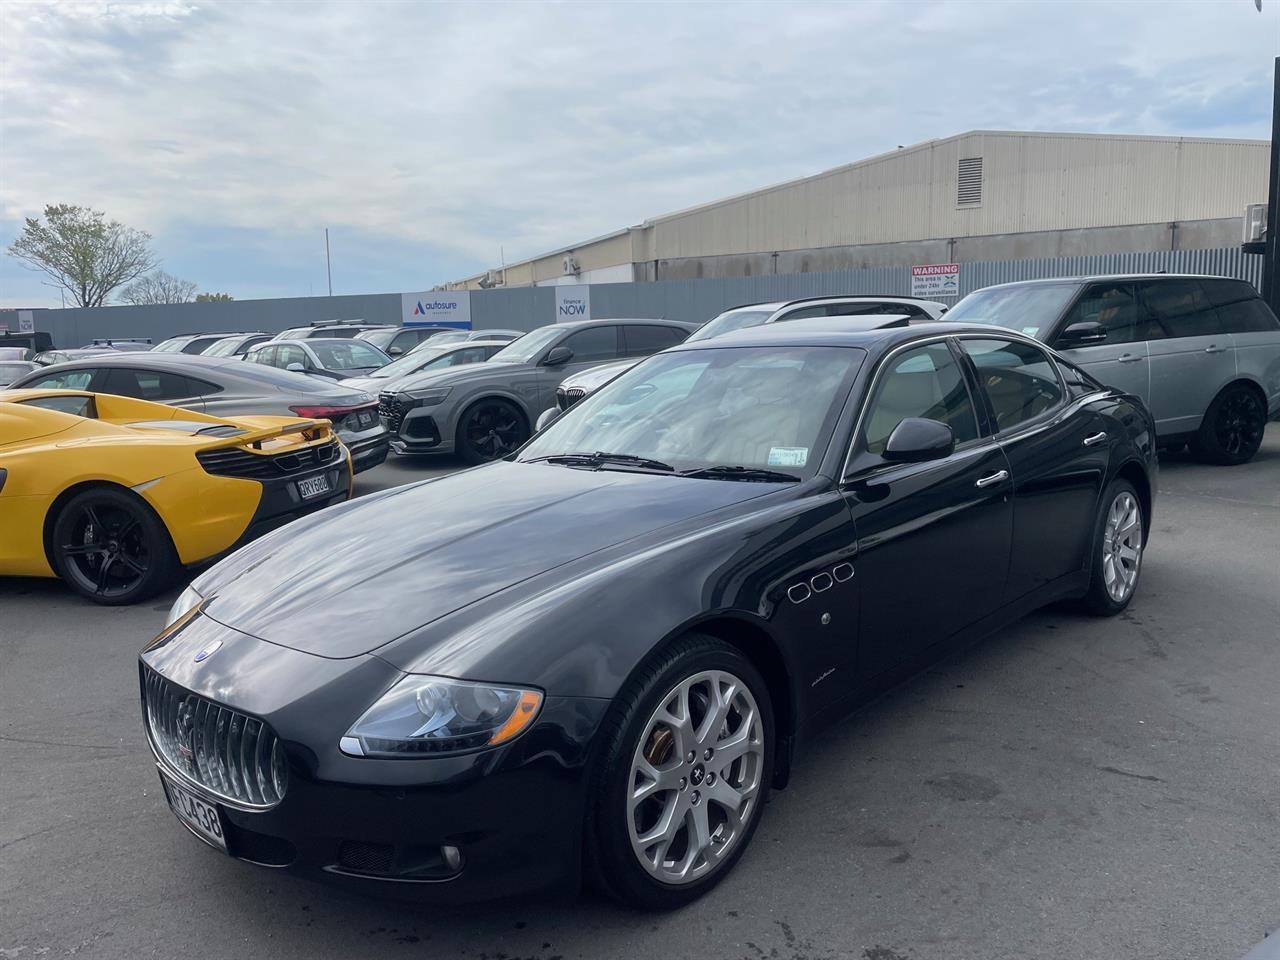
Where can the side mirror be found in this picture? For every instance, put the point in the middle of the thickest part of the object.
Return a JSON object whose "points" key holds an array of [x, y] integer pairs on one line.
{"points": [[1082, 334], [395, 351], [547, 417], [558, 356], [296, 367], [916, 440]]}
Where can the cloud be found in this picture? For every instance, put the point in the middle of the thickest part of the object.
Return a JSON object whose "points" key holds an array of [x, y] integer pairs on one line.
{"points": [[444, 131]]}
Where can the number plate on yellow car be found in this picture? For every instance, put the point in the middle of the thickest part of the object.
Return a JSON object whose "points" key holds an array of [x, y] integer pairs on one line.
{"points": [[313, 487], [200, 816]]}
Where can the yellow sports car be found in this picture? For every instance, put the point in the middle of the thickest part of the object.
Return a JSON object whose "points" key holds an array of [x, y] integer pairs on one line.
{"points": [[115, 495]]}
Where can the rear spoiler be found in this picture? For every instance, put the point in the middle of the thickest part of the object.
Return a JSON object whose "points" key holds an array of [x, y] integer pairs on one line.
{"points": [[310, 429]]}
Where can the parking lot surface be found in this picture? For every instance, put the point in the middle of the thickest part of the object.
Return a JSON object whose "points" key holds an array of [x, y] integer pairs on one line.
{"points": [[1068, 788]]}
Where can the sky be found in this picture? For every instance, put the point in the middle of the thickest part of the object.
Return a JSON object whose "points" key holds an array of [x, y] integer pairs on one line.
{"points": [[434, 139]]}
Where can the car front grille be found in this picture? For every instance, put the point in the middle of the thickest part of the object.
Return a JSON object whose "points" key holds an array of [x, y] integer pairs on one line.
{"points": [[391, 409], [239, 462], [232, 755], [567, 398]]}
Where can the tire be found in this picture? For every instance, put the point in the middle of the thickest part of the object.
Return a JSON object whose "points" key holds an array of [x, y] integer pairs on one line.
{"points": [[489, 429], [1119, 538], [695, 801], [1232, 429], [111, 548]]}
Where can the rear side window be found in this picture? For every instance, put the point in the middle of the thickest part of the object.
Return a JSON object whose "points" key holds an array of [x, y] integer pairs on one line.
{"points": [[644, 340], [63, 380], [157, 385], [924, 382], [1240, 309], [1019, 380], [594, 343], [1181, 307]]}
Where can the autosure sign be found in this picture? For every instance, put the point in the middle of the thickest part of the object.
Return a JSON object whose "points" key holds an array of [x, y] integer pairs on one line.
{"points": [[437, 308], [573, 302], [930, 280]]}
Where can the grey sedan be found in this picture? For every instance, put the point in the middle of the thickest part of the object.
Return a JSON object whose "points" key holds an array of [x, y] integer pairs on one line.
{"points": [[484, 411], [226, 388]]}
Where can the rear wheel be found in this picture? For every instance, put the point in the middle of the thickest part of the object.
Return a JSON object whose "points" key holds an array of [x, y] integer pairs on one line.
{"points": [[683, 775], [489, 430], [1231, 432], [1117, 552], [111, 548]]}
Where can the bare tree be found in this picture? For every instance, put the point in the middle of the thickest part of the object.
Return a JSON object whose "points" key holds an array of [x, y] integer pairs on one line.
{"points": [[158, 287], [213, 297], [85, 254]]}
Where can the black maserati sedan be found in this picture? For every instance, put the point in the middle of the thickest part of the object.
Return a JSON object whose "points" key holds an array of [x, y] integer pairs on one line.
{"points": [[595, 657]]}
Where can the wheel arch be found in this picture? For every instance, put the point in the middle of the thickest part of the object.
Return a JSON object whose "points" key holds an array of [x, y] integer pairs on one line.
{"points": [[65, 497], [492, 394], [1133, 471]]}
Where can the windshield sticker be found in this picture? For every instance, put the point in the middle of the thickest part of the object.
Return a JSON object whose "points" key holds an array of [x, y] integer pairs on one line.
{"points": [[788, 456]]}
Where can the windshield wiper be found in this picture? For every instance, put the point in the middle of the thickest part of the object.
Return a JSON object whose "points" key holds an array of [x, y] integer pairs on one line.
{"points": [[600, 458], [746, 474]]}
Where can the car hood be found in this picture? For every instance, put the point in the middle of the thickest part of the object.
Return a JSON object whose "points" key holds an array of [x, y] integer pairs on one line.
{"points": [[356, 577], [468, 372], [595, 377]]}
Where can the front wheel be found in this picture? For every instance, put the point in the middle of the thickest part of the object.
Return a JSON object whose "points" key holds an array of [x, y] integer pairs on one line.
{"points": [[111, 548], [1117, 550], [683, 775], [490, 429], [1231, 432]]}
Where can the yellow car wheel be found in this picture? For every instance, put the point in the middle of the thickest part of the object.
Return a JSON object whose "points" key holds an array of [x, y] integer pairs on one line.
{"points": [[110, 547]]}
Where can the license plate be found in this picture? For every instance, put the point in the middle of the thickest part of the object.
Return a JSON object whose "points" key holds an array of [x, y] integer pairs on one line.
{"points": [[313, 487], [365, 419], [201, 817]]}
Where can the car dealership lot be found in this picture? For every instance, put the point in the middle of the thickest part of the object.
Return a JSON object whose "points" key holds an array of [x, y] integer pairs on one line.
{"points": [[1068, 788]]}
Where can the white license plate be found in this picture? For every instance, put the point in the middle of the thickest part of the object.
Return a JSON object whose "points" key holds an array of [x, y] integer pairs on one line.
{"points": [[201, 817], [314, 487]]}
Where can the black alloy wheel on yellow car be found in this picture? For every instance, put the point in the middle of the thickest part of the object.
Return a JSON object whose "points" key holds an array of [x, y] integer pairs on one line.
{"points": [[111, 548]]}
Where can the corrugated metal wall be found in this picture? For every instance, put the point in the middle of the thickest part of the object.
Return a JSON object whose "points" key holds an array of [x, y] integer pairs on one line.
{"points": [[524, 308]]}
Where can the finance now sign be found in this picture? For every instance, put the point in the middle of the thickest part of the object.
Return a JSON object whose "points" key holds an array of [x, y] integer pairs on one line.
{"points": [[929, 280], [573, 302]]}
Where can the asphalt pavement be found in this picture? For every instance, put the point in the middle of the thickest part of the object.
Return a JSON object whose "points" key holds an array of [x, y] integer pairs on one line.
{"points": [[1068, 788]]}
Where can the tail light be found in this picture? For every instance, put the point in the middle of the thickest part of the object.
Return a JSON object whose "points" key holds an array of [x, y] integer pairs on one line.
{"points": [[330, 413]]}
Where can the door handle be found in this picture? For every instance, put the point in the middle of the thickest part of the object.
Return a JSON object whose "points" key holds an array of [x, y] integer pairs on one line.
{"points": [[1214, 348], [997, 477], [1095, 439], [1129, 358]]}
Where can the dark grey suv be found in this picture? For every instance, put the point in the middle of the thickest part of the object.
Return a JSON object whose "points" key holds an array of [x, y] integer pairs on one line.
{"points": [[484, 411]]}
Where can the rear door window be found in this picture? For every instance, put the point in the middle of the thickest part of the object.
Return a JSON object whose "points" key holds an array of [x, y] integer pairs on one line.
{"points": [[1181, 307], [155, 385], [1019, 380], [1240, 309], [642, 340]]}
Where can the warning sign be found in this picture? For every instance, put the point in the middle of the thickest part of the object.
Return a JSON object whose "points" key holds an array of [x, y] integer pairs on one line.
{"points": [[929, 280]]}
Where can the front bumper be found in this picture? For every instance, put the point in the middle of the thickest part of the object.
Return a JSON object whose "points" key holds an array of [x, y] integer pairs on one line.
{"points": [[418, 431], [514, 814]]}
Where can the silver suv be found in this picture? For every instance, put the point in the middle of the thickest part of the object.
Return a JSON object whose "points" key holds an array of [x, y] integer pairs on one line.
{"points": [[1203, 353], [756, 314]]}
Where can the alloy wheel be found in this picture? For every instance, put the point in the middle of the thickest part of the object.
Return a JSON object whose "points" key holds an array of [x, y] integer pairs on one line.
{"points": [[1122, 546], [107, 553], [493, 430], [1239, 424], [696, 777]]}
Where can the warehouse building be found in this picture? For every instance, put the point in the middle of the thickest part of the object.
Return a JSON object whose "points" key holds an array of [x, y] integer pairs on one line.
{"points": [[980, 196]]}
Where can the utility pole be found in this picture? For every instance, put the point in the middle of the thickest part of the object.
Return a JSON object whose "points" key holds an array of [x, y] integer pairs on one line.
{"points": [[328, 266], [1271, 252]]}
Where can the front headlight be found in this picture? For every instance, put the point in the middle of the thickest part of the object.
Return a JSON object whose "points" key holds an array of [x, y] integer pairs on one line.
{"points": [[428, 398], [186, 603], [429, 716]]}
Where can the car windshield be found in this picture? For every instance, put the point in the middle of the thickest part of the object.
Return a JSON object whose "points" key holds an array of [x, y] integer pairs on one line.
{"points": [[172, 345], [768, 409], [410, 362], [1030, 308], [348, 355], [729, 321], [528, 346], [223, 348]]}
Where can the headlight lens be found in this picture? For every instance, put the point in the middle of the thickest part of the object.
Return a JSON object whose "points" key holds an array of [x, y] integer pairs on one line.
{"points": [[429, 716], [428, 398], [187, 601]]}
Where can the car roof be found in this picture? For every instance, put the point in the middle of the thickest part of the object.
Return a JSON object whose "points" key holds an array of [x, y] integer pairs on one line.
{"points": [[870, 334], [579, 324], [846, 297], [1096, 277]]}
